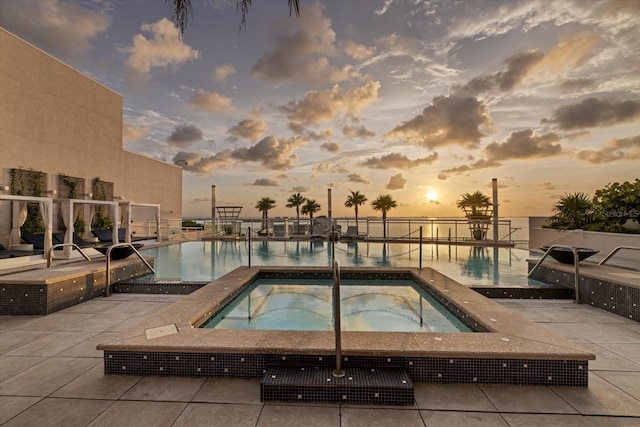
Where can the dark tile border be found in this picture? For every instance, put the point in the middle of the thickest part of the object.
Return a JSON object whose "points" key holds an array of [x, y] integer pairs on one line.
{"points": [[54, 295], [383, 386], [612, 297], [572, 373]]}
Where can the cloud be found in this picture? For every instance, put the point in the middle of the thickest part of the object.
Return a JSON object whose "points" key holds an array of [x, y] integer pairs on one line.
{"points": [[266, 182], [480, 164], [357, 51], [163, 49], [209, 101], [524, 145], [271, 152], [184, 134], [491, 19], [322, 106], [594, 112], [131, 133], [398, 161], [614, 150], [546, 185], [301, 189], [356, 177], [331, 147], [518, 67], [396, 182], [200, 200], [571, 52], [357, 132], [221, 73], [61, 28], [328, 167], [383, 9], [576, 85], [248, 129], [324, 134], [519, 145], [398, 44], [448, 120], [302, 55], [194, 162]]}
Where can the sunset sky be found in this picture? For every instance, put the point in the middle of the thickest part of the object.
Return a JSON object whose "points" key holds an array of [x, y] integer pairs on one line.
{"points": [[424, 100]]}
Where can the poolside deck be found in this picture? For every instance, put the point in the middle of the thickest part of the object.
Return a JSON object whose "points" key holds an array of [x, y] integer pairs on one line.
{"points": [[52, 374]]}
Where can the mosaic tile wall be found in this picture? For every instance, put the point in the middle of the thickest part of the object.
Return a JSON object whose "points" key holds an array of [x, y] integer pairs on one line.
{"points": [[163, 287], [618, 299], [43, 299], [420, 369], [364, 386], [525, 293]]}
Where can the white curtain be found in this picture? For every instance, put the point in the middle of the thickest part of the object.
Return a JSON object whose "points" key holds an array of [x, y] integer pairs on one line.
{"points": [[113, 214], [69, 222], [89, 212], [47, 219], [65, 209], [19, 218], [125, 213]]}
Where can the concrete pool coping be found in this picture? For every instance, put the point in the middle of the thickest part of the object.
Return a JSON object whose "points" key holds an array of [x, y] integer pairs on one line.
{"points": [[509, 336]]}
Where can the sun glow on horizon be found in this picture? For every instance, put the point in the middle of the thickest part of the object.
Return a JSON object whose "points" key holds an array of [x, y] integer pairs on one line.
{"points": [[431, 196]]}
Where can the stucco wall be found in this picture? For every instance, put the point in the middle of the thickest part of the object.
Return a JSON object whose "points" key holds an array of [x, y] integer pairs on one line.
{"points": [[56, 120]]}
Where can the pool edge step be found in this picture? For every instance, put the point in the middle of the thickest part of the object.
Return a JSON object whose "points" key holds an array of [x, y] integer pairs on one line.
{"points": [[379, 386]]}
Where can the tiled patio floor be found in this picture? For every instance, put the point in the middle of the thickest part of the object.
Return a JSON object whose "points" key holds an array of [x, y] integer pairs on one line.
{"points": [[52, 375]]}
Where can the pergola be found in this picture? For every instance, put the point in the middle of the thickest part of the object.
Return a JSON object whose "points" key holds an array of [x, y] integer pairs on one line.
{"points": [[70, 209], [19, 215], [229, 218]]}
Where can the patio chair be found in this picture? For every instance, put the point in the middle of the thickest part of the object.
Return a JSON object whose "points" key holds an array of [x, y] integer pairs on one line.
{"points": [[79, 241]]}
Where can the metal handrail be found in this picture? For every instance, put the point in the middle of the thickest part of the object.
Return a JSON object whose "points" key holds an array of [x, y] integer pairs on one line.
{"points": [[338, 372], [576, 262], [605, 259], [59, 245], [108, 273]]}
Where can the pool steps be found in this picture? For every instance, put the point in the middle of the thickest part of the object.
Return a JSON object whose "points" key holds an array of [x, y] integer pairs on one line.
{"points": [[364, 386]]}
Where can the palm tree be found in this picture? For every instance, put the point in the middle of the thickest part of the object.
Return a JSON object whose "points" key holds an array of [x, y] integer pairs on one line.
{"points": [[572, 211], [263, 206], [384, 203], [310, 208], [295, 201], [354, 201], [474, 204], [181, 11], [475, 207]]}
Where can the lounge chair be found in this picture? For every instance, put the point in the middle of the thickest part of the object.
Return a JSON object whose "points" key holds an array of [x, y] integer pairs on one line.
{"points": [[79, 241], [106, 236], [6, 253], [37, 240], [352, 234]]}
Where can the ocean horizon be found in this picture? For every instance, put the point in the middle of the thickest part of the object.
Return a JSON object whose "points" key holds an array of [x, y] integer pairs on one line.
{"points": [[432, 227]]}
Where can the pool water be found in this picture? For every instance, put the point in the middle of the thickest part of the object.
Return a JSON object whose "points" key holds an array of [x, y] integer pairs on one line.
{"points": [[306, 304], [468, 265]]}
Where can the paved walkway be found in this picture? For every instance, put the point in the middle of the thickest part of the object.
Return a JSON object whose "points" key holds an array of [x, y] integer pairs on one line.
{"points": [[52, 375]]}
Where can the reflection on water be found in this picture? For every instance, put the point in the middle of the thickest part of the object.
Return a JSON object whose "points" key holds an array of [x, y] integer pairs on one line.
{"points": [[306, 304], [471, 266]]}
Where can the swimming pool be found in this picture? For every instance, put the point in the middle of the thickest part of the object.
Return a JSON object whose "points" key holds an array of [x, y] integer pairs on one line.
{"points": [[306, 305], [468, 265], [505, 349]]}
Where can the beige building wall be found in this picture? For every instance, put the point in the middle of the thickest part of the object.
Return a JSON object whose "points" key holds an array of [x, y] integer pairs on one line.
{"points": [[56, 120]]}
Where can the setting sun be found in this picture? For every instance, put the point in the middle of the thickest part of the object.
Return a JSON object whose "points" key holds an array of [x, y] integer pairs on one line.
{"points": [[432, 195]]}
